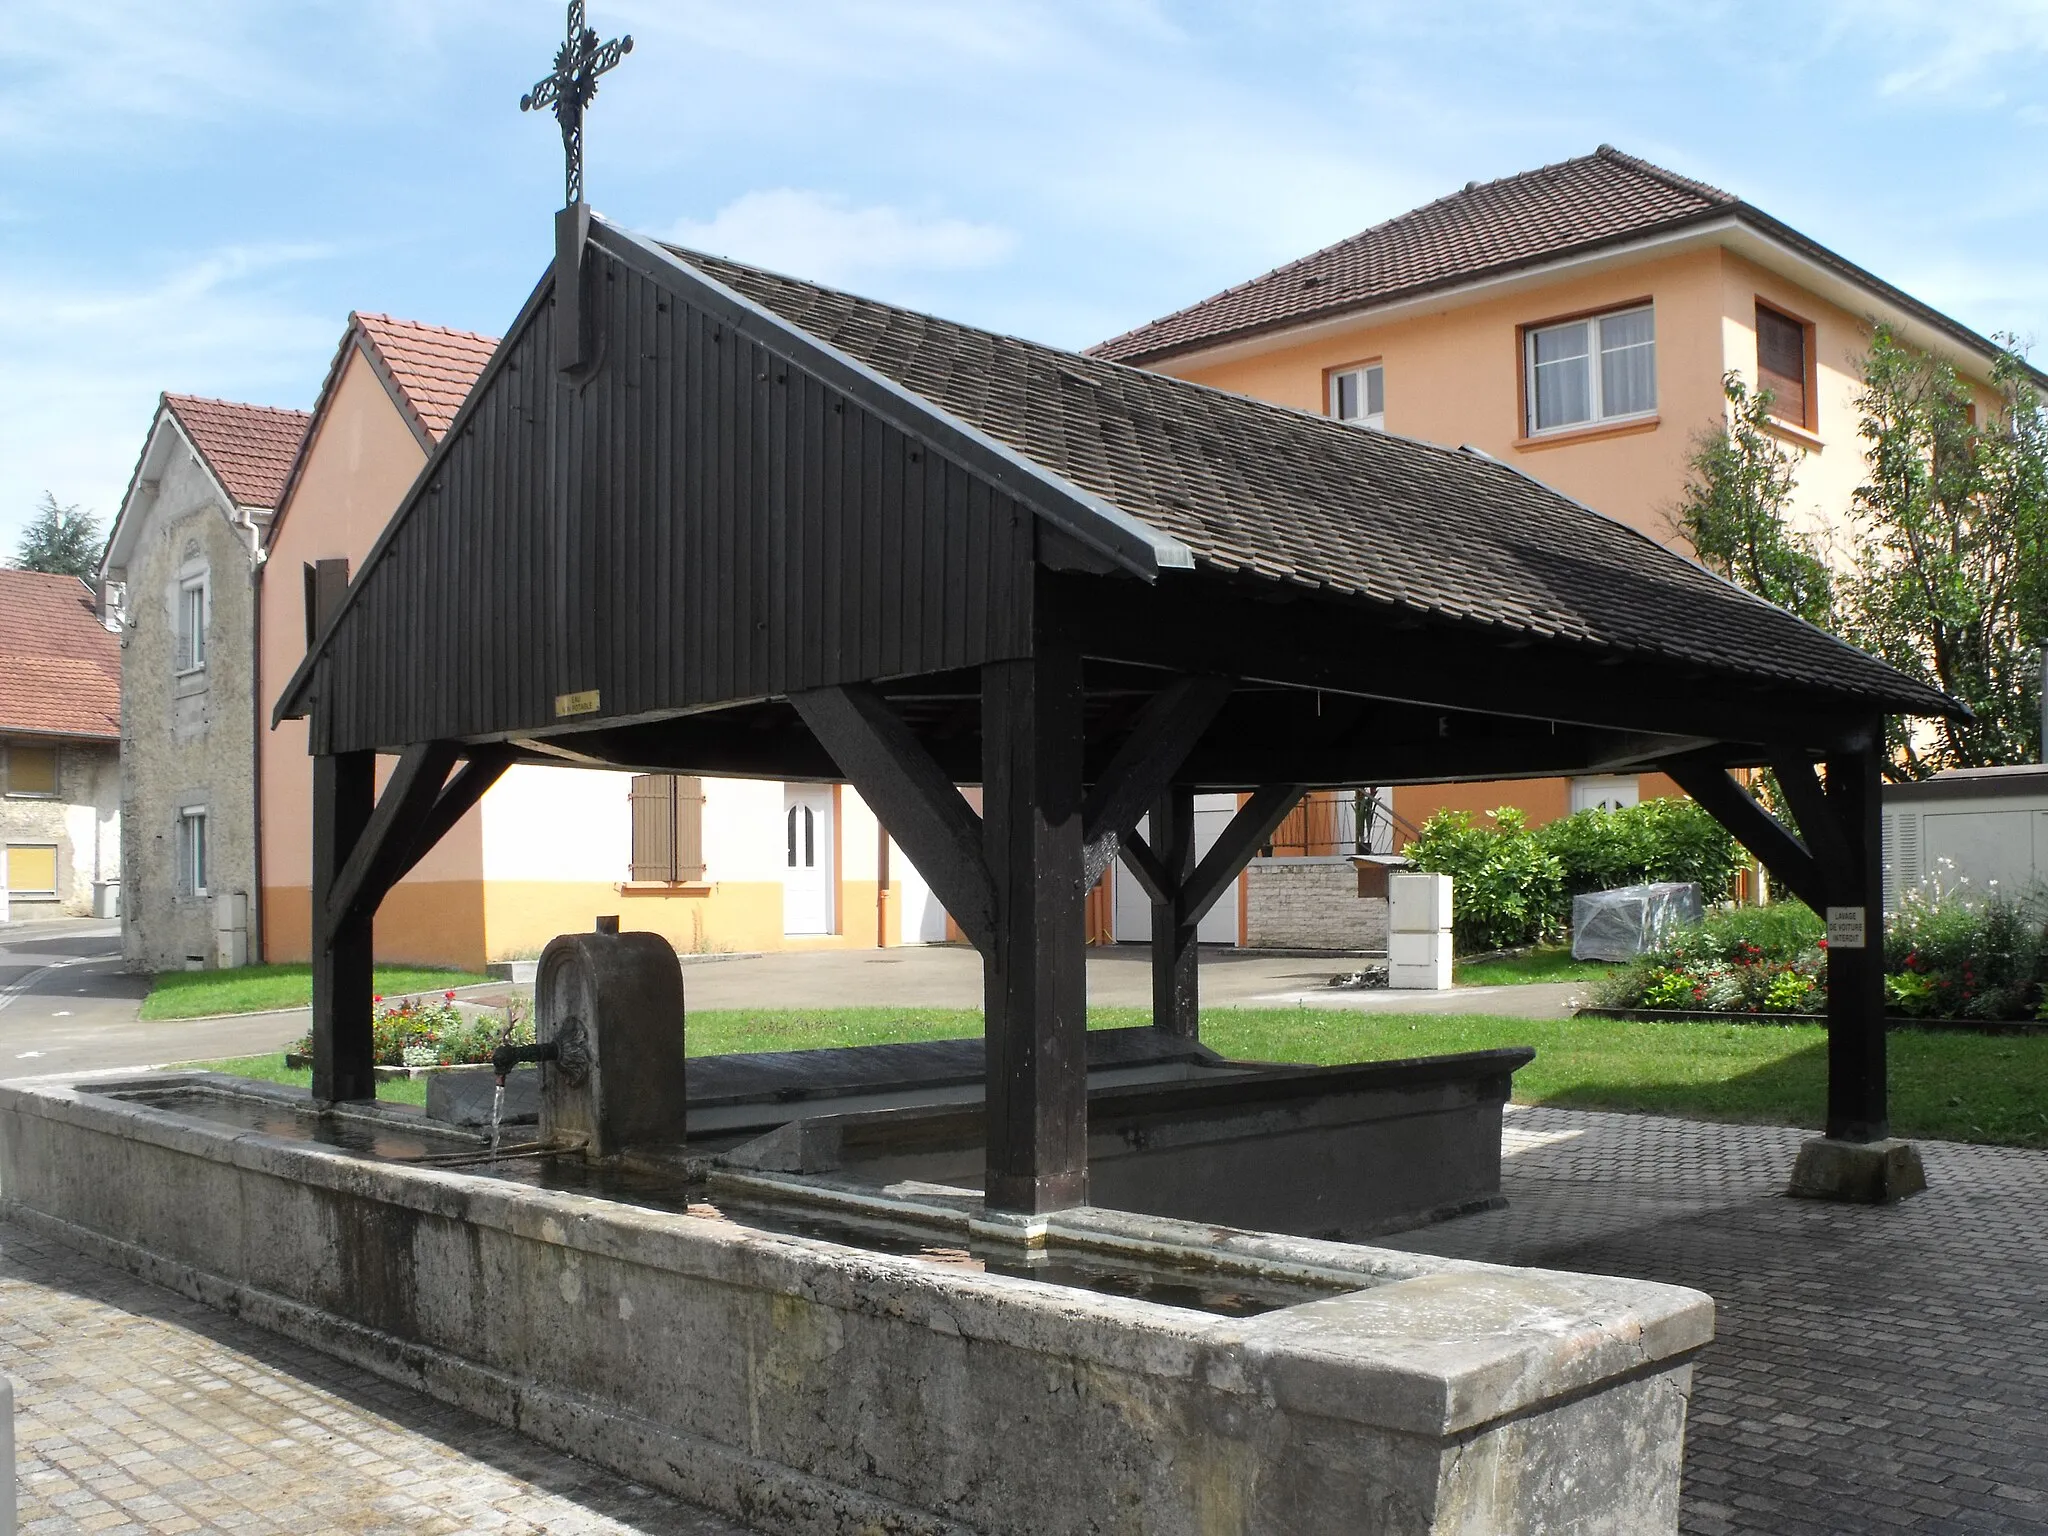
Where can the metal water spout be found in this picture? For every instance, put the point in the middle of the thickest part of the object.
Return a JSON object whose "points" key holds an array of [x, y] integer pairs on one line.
{"points": [[506, 1057]]}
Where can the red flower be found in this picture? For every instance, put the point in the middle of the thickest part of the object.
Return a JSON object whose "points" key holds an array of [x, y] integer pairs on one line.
{"points": [[449, 995], [1823, 943], [378, 998]]}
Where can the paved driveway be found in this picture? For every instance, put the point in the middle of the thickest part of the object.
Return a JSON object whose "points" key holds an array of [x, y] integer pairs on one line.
{"points": [[1875, 1369]]}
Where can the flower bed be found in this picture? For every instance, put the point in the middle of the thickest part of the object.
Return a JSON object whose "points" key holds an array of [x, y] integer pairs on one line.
{"points": [[1944, 959], [434, 1032]]}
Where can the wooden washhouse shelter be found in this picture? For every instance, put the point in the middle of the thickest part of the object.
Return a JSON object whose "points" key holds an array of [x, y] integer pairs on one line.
{"points": [[696, 517]]}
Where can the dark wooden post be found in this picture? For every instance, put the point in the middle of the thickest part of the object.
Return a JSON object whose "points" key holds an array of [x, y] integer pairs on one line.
{"points": [[344, 791], [1035, 981], [1858, 1108], [1176, 959]]}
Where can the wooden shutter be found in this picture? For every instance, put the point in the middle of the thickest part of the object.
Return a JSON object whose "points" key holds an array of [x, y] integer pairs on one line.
{"points": [[668, 828], [654, 826], [1781, 364], [689, 828]]}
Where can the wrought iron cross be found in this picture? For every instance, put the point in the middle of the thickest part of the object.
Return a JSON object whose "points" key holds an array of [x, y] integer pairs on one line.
{"points": [[578, 63]]}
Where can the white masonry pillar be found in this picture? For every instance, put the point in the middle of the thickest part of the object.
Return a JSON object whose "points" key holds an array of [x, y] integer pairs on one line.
{"points": [[1418, 930]]}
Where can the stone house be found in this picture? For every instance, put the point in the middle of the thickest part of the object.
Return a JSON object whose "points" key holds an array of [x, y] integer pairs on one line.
{"points": [[180, 576], [60, 749]]}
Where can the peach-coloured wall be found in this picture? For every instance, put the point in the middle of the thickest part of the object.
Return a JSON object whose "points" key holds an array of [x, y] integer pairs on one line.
{"points": [[1454, 377], [357, 470]]}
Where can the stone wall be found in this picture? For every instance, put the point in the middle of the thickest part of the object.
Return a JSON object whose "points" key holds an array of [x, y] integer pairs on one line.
{"points": [[1311, 904], [83, 821], [188, 736], [819, 1389]]}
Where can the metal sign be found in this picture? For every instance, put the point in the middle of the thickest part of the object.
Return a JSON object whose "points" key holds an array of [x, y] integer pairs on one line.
{"points": [[1847, 927]]}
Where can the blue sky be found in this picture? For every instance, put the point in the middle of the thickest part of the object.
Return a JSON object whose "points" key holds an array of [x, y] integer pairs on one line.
{"points": [[194, 196]]}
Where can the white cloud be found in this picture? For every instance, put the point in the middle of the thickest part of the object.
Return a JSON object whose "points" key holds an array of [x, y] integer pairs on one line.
{"points": [[825, 237], [75, 420]]}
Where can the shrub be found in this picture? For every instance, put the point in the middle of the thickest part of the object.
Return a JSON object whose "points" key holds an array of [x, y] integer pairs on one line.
{"points": [[1515, 885], [420, 1032], [1950, 958], [1944, 958], [1508, 888]]}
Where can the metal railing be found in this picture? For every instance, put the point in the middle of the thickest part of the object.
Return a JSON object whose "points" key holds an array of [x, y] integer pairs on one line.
{"points": [[1334, 822]]}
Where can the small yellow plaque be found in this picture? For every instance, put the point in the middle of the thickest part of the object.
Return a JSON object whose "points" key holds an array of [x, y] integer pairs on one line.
{"points": [[584, 703]]}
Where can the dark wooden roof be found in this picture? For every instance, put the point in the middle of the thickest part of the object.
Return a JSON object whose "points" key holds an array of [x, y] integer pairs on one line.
{"points": [[1285, 496], [1591, 203], [761, 487]]}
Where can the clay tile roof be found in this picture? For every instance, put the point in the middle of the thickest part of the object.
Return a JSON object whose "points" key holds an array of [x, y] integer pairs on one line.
{"points": [[60, 670], [249, 448], [1262, 491], [1488, 228], [432, 366]]}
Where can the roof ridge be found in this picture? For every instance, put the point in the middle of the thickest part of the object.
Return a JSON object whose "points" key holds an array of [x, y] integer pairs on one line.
{"points": [[1670, 178], [423, 325], [233, 405]]}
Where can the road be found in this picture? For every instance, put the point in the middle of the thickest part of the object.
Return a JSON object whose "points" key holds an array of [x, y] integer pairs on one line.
{"points": [[67, 1006]]}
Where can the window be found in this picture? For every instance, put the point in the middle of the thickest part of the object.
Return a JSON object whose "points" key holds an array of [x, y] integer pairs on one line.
{"points": [[1781, 358], [32, 771], [668, 828], [803, 837], [1359, 396], [192, 851], [192, 623], [32, 869], [1602, 368]]}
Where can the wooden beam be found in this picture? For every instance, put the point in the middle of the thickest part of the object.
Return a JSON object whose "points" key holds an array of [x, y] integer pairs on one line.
{"points": [[1145, 764], [1818, 827], [1176, 955], [920, 806], [1784, 855], [392, 826], [472, 781], [1034, 970], [344, 1058], [1145, 866], [1245, 835], [1858, 1092]]}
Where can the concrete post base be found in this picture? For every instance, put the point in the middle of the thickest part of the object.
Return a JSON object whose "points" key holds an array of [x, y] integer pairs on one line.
{"points": [[1857, 1172]]}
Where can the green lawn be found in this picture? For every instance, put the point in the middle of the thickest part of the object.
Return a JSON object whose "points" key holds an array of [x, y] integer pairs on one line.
{"points": [[1550, 962], [255, 988], [1950, 1086]]}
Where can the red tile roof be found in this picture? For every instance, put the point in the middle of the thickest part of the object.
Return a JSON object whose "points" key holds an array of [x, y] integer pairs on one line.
{"points": [[60, 670], [432, 366], [1577, 206], [249, 448]]}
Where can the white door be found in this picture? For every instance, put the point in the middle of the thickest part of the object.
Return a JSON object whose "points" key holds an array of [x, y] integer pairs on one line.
{"points": [[807, 858], [1610, 792], [1134, 907]]}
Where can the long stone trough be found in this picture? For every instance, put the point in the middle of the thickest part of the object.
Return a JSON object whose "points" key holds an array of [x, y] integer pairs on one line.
{"points": [[860, 1372]]}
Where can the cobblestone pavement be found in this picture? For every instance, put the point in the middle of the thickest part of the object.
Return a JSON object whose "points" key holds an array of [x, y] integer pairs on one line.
{"points": [[1875, 1369], [138, 1411]]}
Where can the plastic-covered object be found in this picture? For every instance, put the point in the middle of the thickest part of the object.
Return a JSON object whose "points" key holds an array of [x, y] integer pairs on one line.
{"points": [[1622, 923]]}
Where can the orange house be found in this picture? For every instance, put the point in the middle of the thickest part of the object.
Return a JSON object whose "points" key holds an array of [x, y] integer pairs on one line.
{"points": [[1576, 322]]}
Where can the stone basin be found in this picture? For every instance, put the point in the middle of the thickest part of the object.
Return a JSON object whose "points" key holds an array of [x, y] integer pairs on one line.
{"points": [[808, 1383]]}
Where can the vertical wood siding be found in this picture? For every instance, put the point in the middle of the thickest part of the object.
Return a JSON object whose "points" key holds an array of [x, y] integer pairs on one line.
{"points": [[695, 522]]}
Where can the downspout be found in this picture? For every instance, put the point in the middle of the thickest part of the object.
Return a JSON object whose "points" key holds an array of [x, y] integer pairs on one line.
{"points": [[261, 950]]}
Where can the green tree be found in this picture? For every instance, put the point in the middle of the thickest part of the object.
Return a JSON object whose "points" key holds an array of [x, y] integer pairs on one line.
{"points": [[1948, 584], [1733, 510], [59, 541]]}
